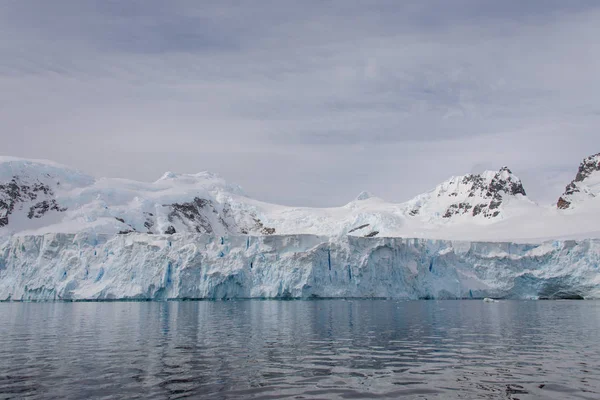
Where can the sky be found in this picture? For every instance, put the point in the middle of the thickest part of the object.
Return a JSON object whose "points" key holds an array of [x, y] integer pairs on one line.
{"points": [[305, 102]]}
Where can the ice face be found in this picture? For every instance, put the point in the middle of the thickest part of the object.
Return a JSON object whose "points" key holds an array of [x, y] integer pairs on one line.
{"points": [[142, 266]]}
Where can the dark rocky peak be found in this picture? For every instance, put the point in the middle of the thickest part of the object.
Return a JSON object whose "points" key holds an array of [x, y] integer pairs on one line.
{"points": [[491, 184], [588, 166], [505, 181]]}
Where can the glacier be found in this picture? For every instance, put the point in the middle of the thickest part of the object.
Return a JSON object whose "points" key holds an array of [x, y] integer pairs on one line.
{"points": [[139, 266], [65, 235]]}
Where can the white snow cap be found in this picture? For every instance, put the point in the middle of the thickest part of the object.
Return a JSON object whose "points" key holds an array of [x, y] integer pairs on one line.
{"points": [[42, 170], [210, 181]]}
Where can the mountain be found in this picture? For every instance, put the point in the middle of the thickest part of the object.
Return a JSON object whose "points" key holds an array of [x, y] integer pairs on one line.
{"points": [[484, 195], [68, 236], [584, 187], [28, 189], [42, 197]]}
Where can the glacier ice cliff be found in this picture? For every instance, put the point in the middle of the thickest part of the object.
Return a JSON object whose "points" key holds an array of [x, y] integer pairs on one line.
{"points": [[187, 266]]}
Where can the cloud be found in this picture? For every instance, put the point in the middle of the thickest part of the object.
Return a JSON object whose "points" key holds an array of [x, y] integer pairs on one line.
{"points": [[304, 103]]}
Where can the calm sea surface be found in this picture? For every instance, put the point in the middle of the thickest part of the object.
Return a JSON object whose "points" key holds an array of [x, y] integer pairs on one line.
{"points": [[370, 349]]}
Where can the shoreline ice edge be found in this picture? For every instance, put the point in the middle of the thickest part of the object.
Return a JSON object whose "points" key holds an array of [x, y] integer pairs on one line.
{"points": [[136, 266]]}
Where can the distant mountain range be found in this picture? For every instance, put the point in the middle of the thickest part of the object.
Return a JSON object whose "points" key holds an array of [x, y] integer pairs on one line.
{"points": [[38, 197]]}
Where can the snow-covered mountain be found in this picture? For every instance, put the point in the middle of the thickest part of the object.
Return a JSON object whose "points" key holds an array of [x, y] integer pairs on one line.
{"points": [[485, 195], [66, 235], [585, 188], [40, 197], [29, 190]]}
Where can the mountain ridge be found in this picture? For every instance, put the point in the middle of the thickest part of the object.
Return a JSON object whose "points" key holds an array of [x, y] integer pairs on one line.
{"points": [[38, 197]]}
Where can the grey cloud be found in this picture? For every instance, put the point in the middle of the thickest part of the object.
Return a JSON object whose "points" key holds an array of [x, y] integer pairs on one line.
{"points": [[304, 102]]}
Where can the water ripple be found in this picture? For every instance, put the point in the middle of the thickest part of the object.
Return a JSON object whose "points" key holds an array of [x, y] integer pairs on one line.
{"points": [[308, 350]]}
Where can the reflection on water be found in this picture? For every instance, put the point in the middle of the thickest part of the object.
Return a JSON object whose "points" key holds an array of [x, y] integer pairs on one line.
{"points": [[301, 349]]}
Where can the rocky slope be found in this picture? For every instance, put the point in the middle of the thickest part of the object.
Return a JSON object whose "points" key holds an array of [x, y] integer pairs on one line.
{"points": [[477, 195], [28, 190], [585, 186]]}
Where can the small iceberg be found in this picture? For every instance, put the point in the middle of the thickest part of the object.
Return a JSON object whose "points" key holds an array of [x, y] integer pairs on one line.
{"points": [[488, 300]]}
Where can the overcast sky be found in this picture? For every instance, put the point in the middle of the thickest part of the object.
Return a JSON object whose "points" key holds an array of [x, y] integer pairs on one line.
{"points": [[305, 102]]}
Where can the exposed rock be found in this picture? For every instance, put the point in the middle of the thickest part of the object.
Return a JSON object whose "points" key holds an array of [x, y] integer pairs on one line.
{"points": [[149, 223], [358, 228], [460, 208], [263, 229], [492, 192], [372, 234], [258, 227], [191, 214], [478, 209], [268, 231], [15, 194], [508, 185], [587, 167], [563, 204], [39, 209]]}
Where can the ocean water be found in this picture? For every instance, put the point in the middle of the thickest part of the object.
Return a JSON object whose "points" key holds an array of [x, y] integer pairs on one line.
{"points": [[323, 349]]}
